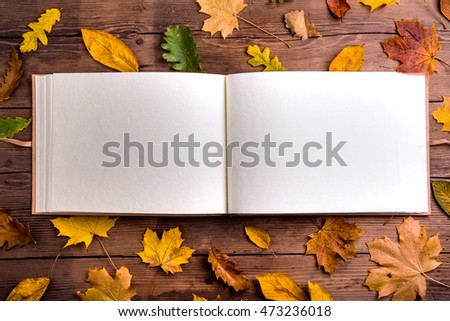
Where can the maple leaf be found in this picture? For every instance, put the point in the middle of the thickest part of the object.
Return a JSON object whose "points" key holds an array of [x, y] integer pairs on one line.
{"points": [[31, 289], [378, 3], [351, 58], [338, 7], [200, 298], [441, 192], [13, 232], [318, 293], [403, 264], [11, 77], [105, 288], [280, 287], [442, 115], [259, 237], [223, 15], [263, 59], [44, 23], [227, 270], [166, 252], [336, 237], [83, 228], [109, 50], [415, 47], [182, 49], [300, 24], [11, 126]]}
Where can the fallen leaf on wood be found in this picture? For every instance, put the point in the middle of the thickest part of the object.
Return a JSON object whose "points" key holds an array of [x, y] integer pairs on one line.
{"points": [[83, 228], [109, 50], [300, 25], [338, 7], [105, 288], [11, 76], [263, 59], [280, 287], [403, 264], [351, 58], [227, 270], [200, 298], [31, 289], [9, 127], [167, 252], [445, 8], [442, 115], [259, 237], [374, 4], [318, 293], [336, 237], [441, 192], [44, 23], [13, 232]]}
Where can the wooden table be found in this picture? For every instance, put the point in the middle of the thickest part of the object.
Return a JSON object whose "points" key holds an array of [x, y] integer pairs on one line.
{"points": [[140, 24]]}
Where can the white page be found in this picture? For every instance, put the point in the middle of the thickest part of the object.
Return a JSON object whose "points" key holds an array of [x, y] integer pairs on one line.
{"points": [[380, 116], [90, 110]]}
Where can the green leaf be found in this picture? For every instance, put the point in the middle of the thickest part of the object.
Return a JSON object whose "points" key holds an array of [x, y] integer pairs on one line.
{"points": [[182, 49], [11, 126], [441, 191], [263, 59]]}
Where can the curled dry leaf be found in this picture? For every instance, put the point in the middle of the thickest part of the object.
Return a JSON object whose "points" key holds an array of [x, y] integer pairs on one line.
{"points": [[44, 24], [11, 76], [31, 289], [259, 237], [263, 59], [441, 192], [338, 7], [442, 115], [351, 58], [318, 293], [280, 287], [300, 24], [374, 4], [13, 232]]}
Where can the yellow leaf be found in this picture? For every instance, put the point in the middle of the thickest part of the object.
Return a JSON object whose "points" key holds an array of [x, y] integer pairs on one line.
{"points": [[263, 58], [227, 270], [259, 237], [44, 23], [300, 25], [318, 293], [441, 191], [166, 252], [11, 77], [378, 3], [280, 287], [334, 238], [351, 58], [105, 288], [200, 298], [223, 15], [13, 232], [442, 115], [109, 50], [29, 290], [83, 228]]}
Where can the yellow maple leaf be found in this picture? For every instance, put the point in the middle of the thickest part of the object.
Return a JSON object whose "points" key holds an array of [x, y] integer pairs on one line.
{"points": [[105, 288], [11, 77], [263, 59], [44, 23], [109, 50], [351, 58], [378, 3], [336, 237], [259, 237], [318, 293], [83, 228], [223, 15], [31, 289], [13, 232], [442, 115], [280, 287], [166, 252], [200, 298]]}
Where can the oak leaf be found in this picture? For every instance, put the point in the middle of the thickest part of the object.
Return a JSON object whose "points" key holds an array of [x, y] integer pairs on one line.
{"points": [[403, 264], [338, 7], [109, 50], [223, 15], [415, 47], [259, 237], [300, 25], [374, 4], [13, 232], [280, 287], [11, 76], [83, 228], [31, 289], [227, 270], [44, 24], [336, 237], [263, 59], [445, 8], [106, 288], [318, 293], [167, 252], [9, 127], [351, 58], [442, 115], [441, 192]]}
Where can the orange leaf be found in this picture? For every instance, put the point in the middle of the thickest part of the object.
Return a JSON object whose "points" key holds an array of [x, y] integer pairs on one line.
{"points": [[442, 115], [11, 77], [338, 7]]}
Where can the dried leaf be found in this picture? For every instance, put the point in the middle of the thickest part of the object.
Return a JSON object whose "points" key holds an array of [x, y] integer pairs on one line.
{"points": [[263, 59], [441, 191], [334, 238], [351, 58], [83, 228], [442, 115], [415, 47], [403, 264], [13, 232], [300, 25], [223, 15], [105, 288], [167, 252], [318, 293], [280, 287], [445, 8], [378, 3], [29, 290], [338, 7], [182, 49], [109, 50], [259, 237], [227, 270], [11, 77], [44, 23], [9, 127], [200, 298]]}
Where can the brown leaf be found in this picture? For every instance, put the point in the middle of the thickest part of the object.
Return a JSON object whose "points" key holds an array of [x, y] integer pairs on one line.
{"points": [[445, 8], [334, 238], [338, 7], [227, 270], [13, 232], [300, 24], [11, 76]]}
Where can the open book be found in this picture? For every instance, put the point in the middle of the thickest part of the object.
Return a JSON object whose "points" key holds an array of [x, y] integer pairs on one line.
{"points": [[181, 143]]}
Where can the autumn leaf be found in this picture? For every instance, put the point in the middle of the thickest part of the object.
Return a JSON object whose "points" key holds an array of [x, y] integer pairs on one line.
{"points": [[44, 24], [415, 47], [441, 192], [263, 59], [11, 76], [338, 7], [200, 298], [403, 264], [351, 58], [318, 293], [280, 287], [445, 8], [374, 4], [13, 232], [300, 24], [336, 237], [105, 288], [227, 270], [442, 115], [182, 49], [259, 237], [31, 289], [167, 252], [11, 126], [83, 228], [109, 50]]}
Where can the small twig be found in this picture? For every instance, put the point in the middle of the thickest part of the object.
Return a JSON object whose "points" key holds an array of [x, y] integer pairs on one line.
{"points": [[438, 142], [53, 266], [263, 30], [106, 252], [436, 281], [435, 13], [313, 219], [16, 142]]}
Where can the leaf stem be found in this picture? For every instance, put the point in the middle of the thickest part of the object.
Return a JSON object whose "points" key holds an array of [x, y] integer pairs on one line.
{"points": [[17, 142], [435, 13], [263, 30], [438, 142], [443, 62], [106, 252], [436, 281], [53, 266]]}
